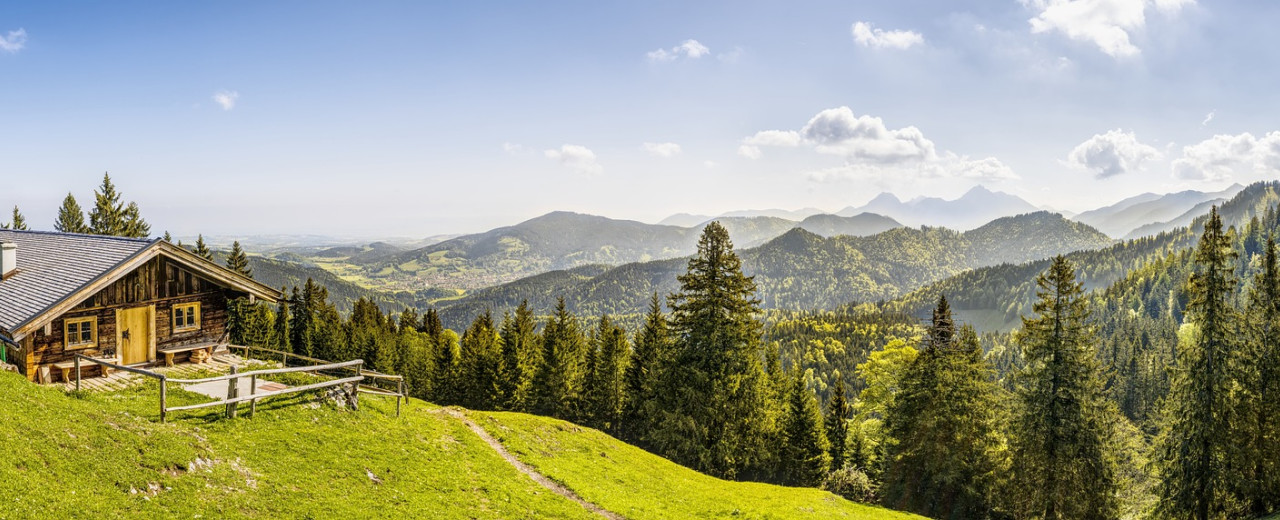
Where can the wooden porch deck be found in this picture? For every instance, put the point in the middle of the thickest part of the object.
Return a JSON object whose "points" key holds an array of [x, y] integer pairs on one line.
{"points": [[220, 363]]}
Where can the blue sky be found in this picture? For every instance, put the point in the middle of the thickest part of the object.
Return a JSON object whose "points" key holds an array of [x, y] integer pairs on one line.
{"points": [[416, 118]]}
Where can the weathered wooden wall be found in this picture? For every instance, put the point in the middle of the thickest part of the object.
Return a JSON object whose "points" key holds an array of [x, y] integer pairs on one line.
{"points": [[159, 282]]}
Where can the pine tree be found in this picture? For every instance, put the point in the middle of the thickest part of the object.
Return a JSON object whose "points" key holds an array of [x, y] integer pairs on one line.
{"points": [[237, 260], [301, 319], [605, 388], [70, 217], [107, 216], [520, 353], [167, 237], [446, 382], [19, 222], [1257, 436], [651, 355], [1192, 450], [203, 250], [557, 383], [713, 398], [839, 412], [481, 363], [1064, 427], [804, 460], [942, 452]]}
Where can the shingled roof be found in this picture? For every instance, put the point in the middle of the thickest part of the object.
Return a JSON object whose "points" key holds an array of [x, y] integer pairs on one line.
{"points": [[52, 266]]}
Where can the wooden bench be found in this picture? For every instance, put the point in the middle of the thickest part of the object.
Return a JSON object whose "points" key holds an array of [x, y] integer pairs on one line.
{"points": [[170, 351], [66, 366]]}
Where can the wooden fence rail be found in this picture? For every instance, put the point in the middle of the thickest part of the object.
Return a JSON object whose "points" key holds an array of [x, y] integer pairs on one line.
{"points": [[233, 398], [400, 392]]}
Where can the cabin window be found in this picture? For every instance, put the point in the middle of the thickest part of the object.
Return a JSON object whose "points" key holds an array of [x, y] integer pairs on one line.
{"points": [[186, 317], [80, 332]]}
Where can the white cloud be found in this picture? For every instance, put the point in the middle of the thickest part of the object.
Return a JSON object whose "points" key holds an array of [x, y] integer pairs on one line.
{"points": [[1221, 156], [516, 148], [661, 149], [1105, 23], [1208, 118], [577, 158], [868, 36], [14, 41], [691, 49], [226, 98], [837, 131], [733, 56], [1113, 153], [872, 150]]}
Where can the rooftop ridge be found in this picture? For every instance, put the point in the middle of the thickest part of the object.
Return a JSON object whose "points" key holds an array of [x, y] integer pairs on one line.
{"points": [[80, 235]]}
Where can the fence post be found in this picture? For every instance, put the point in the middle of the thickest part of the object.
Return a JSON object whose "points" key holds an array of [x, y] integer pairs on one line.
{"points": [[253, 390], [355, 389], [232, 391], [77, 358], [399, 395], [164, 393]]}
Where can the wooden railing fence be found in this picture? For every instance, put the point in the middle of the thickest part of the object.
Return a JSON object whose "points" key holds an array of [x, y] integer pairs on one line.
{"points": [[376, 383], [233, 399]]}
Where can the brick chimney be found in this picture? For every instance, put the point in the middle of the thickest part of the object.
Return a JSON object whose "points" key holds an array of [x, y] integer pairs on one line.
{"points": [[8, 259]]}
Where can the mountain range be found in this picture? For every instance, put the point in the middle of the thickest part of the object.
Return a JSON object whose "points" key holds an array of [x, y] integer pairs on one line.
{"points": [[801, 269], [1150, 213]]}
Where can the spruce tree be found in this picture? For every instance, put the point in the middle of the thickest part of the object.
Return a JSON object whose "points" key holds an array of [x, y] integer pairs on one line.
{"points": [[202, 249], [238, 261], [1257, 435], [280, 336], [713, 396], [605, 389], [1195, 441], [481, 360], [942, 451], [803, 457], [557, 383], [1064, 427], [167, 237], [446, 381], [70, 217], [650, 357], [108, 214], [839, 412], [134, 225], [520, 354], [301, 318], [19, 222]]}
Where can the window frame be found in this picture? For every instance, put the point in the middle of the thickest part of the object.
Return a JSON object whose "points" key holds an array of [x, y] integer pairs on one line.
{"points": [[67, 343], [192, 314]]}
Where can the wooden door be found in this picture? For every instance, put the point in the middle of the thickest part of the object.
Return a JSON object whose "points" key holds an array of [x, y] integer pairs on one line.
{"points": [[134, 335]]}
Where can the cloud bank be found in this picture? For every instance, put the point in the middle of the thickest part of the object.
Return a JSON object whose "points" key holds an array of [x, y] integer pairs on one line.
{"points": [[1113, 153]]}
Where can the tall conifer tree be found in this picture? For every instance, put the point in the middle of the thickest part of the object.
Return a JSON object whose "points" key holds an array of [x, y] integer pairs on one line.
{"points": [[650, 357], [1064, 428], [1192, 450], [557, 384], [839, 412], [202, 249], [70, 217], [19, 222], [713, 396], [481, 364], [605, 388], [943, 447], [238, 261], [803, 457], [107, 216], [520, 355], [1257, 436]]}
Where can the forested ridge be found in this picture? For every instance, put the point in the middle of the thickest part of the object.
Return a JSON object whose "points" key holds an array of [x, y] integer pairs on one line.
{"points": [[801, 270]]}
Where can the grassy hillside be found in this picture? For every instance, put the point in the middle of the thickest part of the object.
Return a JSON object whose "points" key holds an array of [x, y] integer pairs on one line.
{"points": [[637, 484], [103, 455]]}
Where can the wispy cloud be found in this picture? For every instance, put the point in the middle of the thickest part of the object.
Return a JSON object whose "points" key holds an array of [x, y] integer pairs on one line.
{"points": [[1208, 118], [690, 49], [14, 41], [576, 157], [869, 36], [226, 98], [1105, 23], [664, 150]]}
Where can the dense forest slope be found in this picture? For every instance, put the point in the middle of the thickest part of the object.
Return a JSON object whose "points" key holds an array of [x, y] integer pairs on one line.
{"points": [[1007, 290], [103, 455], [801, 270]]}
